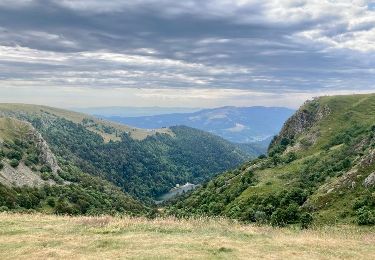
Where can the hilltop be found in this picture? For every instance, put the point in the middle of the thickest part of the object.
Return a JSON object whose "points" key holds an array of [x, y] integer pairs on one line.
{"points": [[320, 168], [108, 130]]}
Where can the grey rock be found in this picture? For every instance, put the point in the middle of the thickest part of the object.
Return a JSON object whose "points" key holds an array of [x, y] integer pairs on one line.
{"points": [[46, 155], [369, 181]]}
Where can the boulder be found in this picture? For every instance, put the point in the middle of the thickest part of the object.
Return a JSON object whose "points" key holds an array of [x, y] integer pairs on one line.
{"points": [[369, 181]]}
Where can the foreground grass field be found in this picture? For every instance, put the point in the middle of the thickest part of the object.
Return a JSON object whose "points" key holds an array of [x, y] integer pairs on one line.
{"points": [[47, 236]]}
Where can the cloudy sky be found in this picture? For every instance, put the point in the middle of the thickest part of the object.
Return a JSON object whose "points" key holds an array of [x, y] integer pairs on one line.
{"points": [[77, 53]]}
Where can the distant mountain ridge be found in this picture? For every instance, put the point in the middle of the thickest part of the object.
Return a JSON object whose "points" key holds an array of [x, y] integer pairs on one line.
{"points": [[134, 111], [235, 124]]}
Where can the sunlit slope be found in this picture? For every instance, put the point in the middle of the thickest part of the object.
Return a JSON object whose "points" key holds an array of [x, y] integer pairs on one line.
{"points": [[63, 237], [107, 129], [321, 164]]}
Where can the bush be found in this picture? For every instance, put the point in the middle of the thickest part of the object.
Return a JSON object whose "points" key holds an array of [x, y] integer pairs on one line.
{"points": [[45, 176], [14, 155], [305, 220], [45, 168], [14, 163], [28, 163], [4, 209], [261, 217], [51, 202], [279, 218], [63, 207], [1, 165], [33, 158], [365, 217], [262, 156]]}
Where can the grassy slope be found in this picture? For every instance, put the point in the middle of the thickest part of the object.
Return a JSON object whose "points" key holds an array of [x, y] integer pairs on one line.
{"points": [[11, 128], [30, 237], [136, 133], [236, 193]]}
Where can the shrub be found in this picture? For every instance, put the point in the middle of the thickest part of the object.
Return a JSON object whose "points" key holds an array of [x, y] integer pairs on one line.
{"points": [[292, 213], [262, 156], [305, 220], [1, 165], [45, 176], [14, 163], [28, 163], [261, 217], [365, 217], [33, 158], [45, 168], [14, 155], [51, 202], [279, 218], [4, 209], [291, 156], [64, 207]]}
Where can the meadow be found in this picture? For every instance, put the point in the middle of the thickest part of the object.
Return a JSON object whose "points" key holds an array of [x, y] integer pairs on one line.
{"points": [[37, 236]]}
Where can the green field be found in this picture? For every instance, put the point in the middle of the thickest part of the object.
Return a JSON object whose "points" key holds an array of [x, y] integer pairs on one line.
{"points": [[51, 237]]}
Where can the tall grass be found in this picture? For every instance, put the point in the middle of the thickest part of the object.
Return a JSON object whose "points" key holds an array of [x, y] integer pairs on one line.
{"points": [[39, 236]]}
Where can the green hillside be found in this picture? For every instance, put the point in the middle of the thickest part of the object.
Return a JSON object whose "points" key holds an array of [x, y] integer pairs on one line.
{"points": [[320, 168], [143, 163], [31, 179]]}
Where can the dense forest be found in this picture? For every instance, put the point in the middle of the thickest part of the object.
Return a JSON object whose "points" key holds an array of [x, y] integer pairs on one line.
{"points": [[145, 168]]}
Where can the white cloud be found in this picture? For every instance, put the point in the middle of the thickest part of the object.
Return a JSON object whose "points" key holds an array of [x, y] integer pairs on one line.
{"points": [[250, 52]]}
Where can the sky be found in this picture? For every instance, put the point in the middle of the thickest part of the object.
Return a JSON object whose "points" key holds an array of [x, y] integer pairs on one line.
{"points": [[92, 53]]}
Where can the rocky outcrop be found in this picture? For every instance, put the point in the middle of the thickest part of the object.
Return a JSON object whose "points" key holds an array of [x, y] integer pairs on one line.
{"points": [[21, 176], [369, 159], [46, 156], [369, 181], [306, 117]]}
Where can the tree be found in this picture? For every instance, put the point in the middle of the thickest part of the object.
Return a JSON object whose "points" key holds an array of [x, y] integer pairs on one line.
{"points": [[14, 163]]}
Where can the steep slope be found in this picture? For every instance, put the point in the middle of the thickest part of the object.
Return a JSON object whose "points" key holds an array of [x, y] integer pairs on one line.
{"points": [[143, 163], [321, 165], [32, 179], [235, 124]]}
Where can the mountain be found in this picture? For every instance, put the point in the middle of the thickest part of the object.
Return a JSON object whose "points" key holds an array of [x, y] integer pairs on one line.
{"points": [[142, 163], [133, 111], [320, 168], [235, 124]]}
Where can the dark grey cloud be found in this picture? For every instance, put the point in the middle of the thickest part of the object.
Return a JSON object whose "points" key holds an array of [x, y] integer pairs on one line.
{"points": [[266, 46]]}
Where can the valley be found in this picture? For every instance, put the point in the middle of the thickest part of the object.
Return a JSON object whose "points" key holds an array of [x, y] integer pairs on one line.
{"points": [[316, 184], [77, 147], [218, 129]]}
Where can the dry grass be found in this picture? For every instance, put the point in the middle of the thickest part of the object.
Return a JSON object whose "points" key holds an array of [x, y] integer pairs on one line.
{"points": [[43, 237]]}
